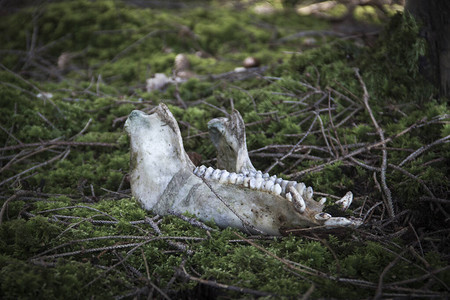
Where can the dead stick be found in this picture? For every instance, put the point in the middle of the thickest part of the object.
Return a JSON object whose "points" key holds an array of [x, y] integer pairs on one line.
{"points": [[57, 143], [380, 132], [35, 167]]}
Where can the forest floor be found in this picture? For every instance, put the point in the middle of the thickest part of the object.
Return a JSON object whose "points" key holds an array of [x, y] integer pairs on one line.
{"points": [[337, 103]]}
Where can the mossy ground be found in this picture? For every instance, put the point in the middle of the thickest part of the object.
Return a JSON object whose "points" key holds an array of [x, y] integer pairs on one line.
{"points": [[70, 228]]}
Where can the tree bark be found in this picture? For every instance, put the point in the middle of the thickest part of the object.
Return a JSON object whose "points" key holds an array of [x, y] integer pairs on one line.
{"points": [[435, 15]]}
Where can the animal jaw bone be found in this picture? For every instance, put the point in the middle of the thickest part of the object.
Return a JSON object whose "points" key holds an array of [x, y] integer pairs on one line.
{"points": [[163, 179]]}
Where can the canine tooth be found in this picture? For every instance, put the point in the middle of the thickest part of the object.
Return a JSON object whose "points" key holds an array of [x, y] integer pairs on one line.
{"points": [[232, 178], [201, 170], [240, 178], [345, 201], [298, 201], [308, 193], [276, 189], [322, 216], [247, 181], [208, 172], [216, 174], [224, 176], [289, 196], [300, 188], [322, 201]]}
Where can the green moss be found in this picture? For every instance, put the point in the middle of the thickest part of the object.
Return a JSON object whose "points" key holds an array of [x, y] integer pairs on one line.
{"points": [[115, 49]]}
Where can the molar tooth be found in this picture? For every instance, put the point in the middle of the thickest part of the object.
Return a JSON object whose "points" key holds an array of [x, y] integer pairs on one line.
{"points": [[232, 178], [283, 186], [224, 176], [279, 180], [289, 196], [265, 175], [268, 185], [208, 172], [308, 193], [245, 173], [252, 183], [201, 170], [273, 178], [252, 174], [322, 201], [276, 189], [300, 188], [247, 181], [240, 179], [258, 183], [298, 201], [216, 174]]}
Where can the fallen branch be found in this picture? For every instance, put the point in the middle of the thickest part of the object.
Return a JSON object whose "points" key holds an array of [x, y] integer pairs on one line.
{"points": [[387, 191], [58, 143], [36, 167]]}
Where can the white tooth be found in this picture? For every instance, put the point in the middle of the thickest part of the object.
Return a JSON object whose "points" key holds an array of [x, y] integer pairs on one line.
{"points": [[258, 174], [265, 175], [289, 196], [216, 174], [245, 173], [345, 201], [252, 174], [224, 176], [268, 185], [322, 201], [201, 170], [283, 186], [322, 216], [195, 170], [240, 178], [258, 183], [252, 183], [298, 201], [276, 189], [247, 181], [273, 178], [308, 193], [300, 188], [279, 180], [232, 178], [208, 172]]}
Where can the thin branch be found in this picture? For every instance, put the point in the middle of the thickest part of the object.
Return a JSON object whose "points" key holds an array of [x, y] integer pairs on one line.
{"points": [[36, 167], [380, 132], [58, 143], [424, 148]]}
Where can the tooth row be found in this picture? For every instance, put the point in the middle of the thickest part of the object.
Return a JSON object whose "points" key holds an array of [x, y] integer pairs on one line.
{"points": [[291, 190]]}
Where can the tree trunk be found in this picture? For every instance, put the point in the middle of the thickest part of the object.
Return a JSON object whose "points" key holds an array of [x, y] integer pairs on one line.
{"points": [[435, 15]]}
